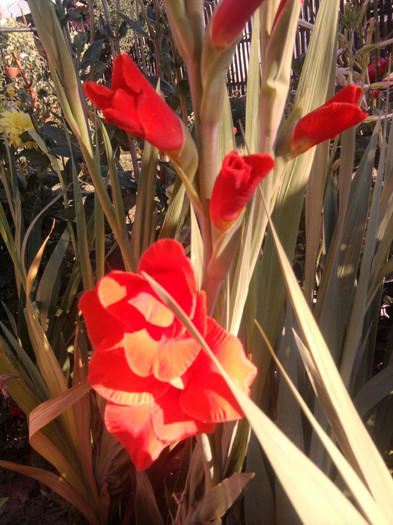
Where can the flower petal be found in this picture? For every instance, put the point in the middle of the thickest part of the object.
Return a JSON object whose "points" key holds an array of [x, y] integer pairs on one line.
{"points": [[141, 352], [166, 359], [111, 376], [126, 75], [128, 120], [116, 291], [339, 113], [229, 20], [207, 396], [171, 423], [161, 125], [134, 429], [235, 185], [325, 123], [153, 310], [99, 323], [172, 261], [100, 95], [350, 94], [134, 105]]}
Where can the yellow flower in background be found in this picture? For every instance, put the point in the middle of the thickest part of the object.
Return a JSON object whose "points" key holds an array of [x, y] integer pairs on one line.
{"points": [[15, 123]]}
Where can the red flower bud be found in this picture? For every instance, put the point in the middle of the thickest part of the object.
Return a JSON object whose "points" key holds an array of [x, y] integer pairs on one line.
{"points": [[338, 114], [229, 20], [383, 64], [235, 185], [133, 105]]}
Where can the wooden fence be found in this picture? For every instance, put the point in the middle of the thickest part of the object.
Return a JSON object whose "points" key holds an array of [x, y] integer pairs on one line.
{"points": [[381, 10]]}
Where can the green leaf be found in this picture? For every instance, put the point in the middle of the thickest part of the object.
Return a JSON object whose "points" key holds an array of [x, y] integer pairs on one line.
{"points": [[146, 509], [92, 54], [48, 287], [58, 485], [144, 228], [220, 498], [338, 407], [134, 25]]}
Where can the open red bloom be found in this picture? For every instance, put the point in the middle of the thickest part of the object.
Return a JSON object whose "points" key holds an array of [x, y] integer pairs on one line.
{"points": [[338, 114], [133, 105], [229, 20], [235, 185], [159, 385]]}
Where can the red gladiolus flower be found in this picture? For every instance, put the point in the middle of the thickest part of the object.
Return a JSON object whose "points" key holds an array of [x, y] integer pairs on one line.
{"points": [[229, 20], [133, 105], [159, 385], [235, 185], [326, 122]]}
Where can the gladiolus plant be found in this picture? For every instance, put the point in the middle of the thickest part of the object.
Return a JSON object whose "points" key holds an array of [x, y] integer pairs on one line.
{"points": [[196, 333]]}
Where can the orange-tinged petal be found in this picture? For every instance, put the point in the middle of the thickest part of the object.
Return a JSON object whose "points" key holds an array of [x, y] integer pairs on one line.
{"points": [[175, 357], [133, 427], [110, 291], [115, 292], [171, 423], [111, 376], [166, 359], [141, 352], [153, 310], [206, 396]]}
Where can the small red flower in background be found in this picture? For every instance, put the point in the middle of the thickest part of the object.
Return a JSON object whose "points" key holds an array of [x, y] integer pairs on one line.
{"points": [[159, 384], [338, 114], [372, 73], [383, 64], [235, 185], [133, 105], [229, 20]]}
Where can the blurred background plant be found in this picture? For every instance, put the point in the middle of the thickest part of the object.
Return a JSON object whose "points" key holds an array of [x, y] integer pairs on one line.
{"points": [[90, 198]]}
